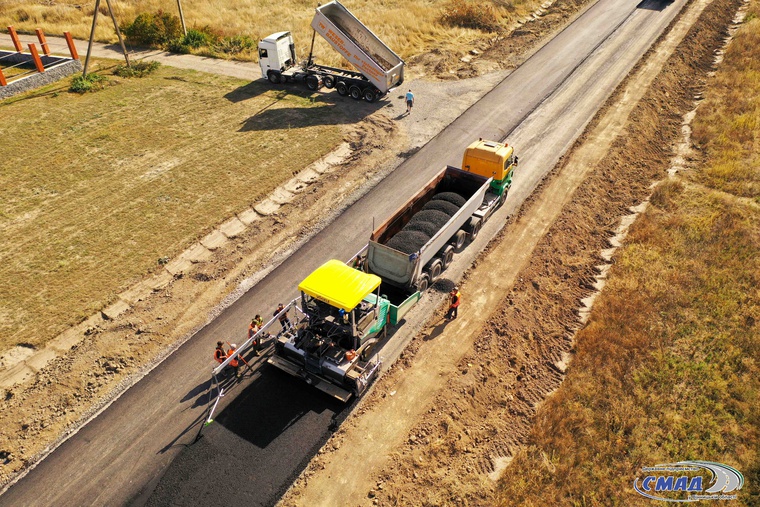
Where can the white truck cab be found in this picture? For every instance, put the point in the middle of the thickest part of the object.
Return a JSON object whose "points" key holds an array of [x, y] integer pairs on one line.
{"points": [[276, 52]]}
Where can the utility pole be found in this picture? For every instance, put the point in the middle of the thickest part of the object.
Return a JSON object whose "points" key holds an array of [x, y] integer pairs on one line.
{"points": [[92, 35], [181, 17]]}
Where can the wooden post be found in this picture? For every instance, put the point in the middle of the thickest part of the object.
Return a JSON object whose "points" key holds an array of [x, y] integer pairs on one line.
{"points": [[72, 46], [3, 82], [118, 33], [36, 58], [92, 35], [14, 38], [43, 42], [181, 17]]}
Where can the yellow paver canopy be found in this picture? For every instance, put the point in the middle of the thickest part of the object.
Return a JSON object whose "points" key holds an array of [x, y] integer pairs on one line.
{"points": [[339, 285]]}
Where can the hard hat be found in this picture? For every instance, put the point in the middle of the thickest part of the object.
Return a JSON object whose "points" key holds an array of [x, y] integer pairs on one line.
{"points": [[456, 288], [233, 345]]}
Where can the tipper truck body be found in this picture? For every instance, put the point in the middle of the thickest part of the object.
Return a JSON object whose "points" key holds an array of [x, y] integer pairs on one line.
{"points": [[379, 68], [343, 312]]}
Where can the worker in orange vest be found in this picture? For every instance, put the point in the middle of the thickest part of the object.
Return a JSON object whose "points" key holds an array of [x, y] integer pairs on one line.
{"points": [[219, 354], [455, 299], [235, 362]]}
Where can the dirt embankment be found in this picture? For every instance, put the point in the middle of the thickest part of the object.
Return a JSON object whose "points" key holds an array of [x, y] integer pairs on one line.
{"points": [[478, 421]]}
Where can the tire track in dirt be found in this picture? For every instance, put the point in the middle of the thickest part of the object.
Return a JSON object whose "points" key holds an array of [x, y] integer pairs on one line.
{"points": [[414, 451]]}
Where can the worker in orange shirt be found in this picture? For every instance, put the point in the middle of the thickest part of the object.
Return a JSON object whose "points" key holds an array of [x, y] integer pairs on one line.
{"points": [[455, 298], [235, 362]]}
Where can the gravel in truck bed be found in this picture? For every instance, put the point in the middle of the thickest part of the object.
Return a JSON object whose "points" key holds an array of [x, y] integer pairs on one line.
{"points": [[423, 227], [435, 217], [445, 206], [408, 241], [451, 197]]}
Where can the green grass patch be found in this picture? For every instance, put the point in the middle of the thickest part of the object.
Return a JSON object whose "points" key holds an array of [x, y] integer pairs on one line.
{"points": [[136, 69], [96, 187], [90, 83]]}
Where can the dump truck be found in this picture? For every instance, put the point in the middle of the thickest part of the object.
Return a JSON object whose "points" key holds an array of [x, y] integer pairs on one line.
{"points": [[341, 318], [411, 249], [379, 68]]}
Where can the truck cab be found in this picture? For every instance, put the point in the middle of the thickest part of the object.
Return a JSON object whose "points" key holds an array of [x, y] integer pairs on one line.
{"points": [[492, 160], [277, 53]]}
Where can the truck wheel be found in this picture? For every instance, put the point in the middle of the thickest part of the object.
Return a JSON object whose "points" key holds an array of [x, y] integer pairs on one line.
{"points": [[434, 269], [313, 82], [369, 95], [503, 197], [459, 239], [447, 256], [474, 228], [342, 88], [328, 81], [423, 283], [274, 76], [355, 92]]}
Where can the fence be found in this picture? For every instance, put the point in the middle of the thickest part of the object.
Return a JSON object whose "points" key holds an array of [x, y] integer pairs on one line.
{"points": [[18, 65]]}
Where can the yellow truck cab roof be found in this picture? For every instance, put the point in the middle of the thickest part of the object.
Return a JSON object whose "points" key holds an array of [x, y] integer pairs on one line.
{"points": [[490, 151], [339, 285]]}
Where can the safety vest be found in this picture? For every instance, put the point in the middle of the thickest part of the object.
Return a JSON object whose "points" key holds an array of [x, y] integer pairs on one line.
{"points": [[234, 362], [219, 355], [456, 300]]}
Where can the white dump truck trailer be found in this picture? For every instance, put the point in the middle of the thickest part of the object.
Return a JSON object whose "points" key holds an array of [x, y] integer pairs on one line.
{"points": [[379, 68]]}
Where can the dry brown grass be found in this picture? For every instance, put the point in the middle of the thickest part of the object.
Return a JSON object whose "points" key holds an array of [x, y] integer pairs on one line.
{"points": [[408, 27], [95, 188], [667, 369]]}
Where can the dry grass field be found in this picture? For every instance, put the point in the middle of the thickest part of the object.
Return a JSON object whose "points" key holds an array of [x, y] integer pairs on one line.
{"points": [[408, 27], [95, 188], [667, 369]]}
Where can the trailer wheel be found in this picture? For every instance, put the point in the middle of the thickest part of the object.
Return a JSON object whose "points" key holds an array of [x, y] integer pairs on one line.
{"points": [[274, 76], [342, 88], [434, 269], [369, 95], [459, 239], [313, 82], [355, 92], [447, 256], [328, 81], [474, 228], [423, 282]]}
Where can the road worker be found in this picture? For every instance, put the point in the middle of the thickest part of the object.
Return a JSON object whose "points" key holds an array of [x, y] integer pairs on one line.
{"points": [[235, 362], [254, 328], [455, 297], [358, 263], [284, 320], [219, 354]]}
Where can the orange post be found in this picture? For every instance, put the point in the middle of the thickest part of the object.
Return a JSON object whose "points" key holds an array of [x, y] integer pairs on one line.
{"points": [[36, 58], [43, 42], [72, 47], [14, 38], [3, 82]]}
